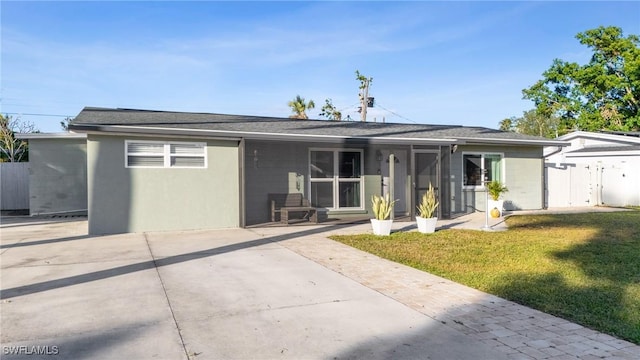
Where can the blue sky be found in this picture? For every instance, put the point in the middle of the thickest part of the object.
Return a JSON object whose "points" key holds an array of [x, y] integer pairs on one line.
{"points": [[459, 63]]}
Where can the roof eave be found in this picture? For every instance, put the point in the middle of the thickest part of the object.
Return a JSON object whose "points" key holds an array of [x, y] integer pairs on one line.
{"points": [[133, 130], [496, 141], [600, 136], [65, 135], [602, 153]]}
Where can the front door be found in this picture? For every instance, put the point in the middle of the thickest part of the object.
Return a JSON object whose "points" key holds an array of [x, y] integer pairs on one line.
{"points": [[426, 172]]}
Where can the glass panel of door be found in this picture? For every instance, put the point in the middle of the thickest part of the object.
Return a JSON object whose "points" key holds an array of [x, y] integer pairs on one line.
{"points": [[426, 172]]}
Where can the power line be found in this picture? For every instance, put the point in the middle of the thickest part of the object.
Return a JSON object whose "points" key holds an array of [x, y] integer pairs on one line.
{"points": [[383, 108], [31, 114], [349, 107], [395, 113]]}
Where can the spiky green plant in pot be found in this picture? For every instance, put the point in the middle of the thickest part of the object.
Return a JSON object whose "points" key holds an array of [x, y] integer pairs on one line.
{"points": [[429, 204], [382, 206]]}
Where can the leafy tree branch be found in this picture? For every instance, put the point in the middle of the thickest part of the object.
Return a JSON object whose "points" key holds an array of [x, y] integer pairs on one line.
{"points": [[12, 149], [330, 112]]}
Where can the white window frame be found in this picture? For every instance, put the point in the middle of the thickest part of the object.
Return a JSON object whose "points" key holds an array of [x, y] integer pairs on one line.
{"points": [[336, 180], [166, 154], [482, 169]]}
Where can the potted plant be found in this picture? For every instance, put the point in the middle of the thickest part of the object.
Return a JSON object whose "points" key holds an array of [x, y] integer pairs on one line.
{"points": [[382, 208], [426, 209], [495, 189]]}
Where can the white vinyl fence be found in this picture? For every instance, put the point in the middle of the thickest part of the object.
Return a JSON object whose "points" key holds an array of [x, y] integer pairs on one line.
{"points": [[615, 183], [14, 186]]}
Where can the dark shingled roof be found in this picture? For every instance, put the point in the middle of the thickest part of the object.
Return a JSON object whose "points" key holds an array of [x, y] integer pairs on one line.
{"points": [[591, 149], [102, 119], [625, 133]]}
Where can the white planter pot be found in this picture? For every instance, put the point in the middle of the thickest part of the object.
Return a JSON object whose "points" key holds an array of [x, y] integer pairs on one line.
{"points": [[498, 204], [426, 225], [381, 227]]}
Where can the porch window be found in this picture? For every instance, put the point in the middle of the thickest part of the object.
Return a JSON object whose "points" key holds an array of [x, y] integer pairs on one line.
{"points": [[160, 154], [336, 178], [481, 167]]}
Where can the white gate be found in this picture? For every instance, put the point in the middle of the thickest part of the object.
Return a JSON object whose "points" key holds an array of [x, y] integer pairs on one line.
{"points": [[14, 186], [581, 185], [615, 187], [569, 185]]}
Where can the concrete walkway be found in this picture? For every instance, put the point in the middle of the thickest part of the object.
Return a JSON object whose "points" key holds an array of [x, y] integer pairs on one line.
{"points": [[517, 331], [264, 293]]}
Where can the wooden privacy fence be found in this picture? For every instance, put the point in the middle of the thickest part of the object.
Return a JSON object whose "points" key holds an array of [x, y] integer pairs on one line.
{"points": [[14, 185]]}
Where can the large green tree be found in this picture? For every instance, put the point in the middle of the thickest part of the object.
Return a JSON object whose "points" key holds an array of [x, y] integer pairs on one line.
{"points": [[603, 94], [532, 123], [299, 107]]}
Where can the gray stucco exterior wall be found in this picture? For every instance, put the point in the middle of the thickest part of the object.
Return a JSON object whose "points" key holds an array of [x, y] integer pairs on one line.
{"points": [[283, 167], [272, 167], [523, 176], [58, 176], [156, 199]]}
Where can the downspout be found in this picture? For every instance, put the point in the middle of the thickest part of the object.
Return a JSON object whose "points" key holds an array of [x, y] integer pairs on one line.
{"points": [[545, 203], [559, 148], [544, 183], [241, 173], [412, 173]]}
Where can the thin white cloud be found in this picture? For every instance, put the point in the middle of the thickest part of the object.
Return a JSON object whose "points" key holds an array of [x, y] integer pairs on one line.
{"points": [[278, 42]]}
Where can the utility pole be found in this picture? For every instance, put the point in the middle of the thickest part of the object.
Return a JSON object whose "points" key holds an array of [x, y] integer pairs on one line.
{"points": [[364, 100], [364, 94]]}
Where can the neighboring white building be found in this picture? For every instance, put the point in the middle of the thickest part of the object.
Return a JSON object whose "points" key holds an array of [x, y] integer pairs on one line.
{"points": [[595, 169], [57, 173]]}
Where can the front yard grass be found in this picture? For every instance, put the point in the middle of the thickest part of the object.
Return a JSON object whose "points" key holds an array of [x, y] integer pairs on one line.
{"points": [[582, 267]]}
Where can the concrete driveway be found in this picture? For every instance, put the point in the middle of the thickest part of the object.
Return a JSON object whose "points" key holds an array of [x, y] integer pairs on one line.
{"points": [[228, 294], [262, 293]]}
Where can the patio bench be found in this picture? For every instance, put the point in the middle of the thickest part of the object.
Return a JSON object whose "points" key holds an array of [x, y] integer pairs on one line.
{"points": [[284, 204]]}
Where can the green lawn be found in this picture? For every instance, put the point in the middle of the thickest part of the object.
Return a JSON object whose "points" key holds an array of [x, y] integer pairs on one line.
{"points": [[581, 267]]}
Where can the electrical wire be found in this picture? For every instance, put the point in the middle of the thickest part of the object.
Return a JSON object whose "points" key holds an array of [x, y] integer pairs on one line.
{"points": [[31, 114], [395, 113], [349, 107]]}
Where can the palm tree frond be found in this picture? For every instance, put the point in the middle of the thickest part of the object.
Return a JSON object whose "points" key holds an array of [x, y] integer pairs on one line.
{"points": [[299, 106]]}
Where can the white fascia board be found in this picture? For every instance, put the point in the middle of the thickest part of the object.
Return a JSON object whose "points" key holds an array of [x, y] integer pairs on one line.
{"points": [[155, 135], [600, 136], [470, 140], [62, 135], [157, 131], [603, 153]]}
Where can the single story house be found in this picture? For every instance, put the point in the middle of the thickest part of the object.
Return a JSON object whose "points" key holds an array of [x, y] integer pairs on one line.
{"points": [[163, 170], [597, 168], [57, 173]]}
